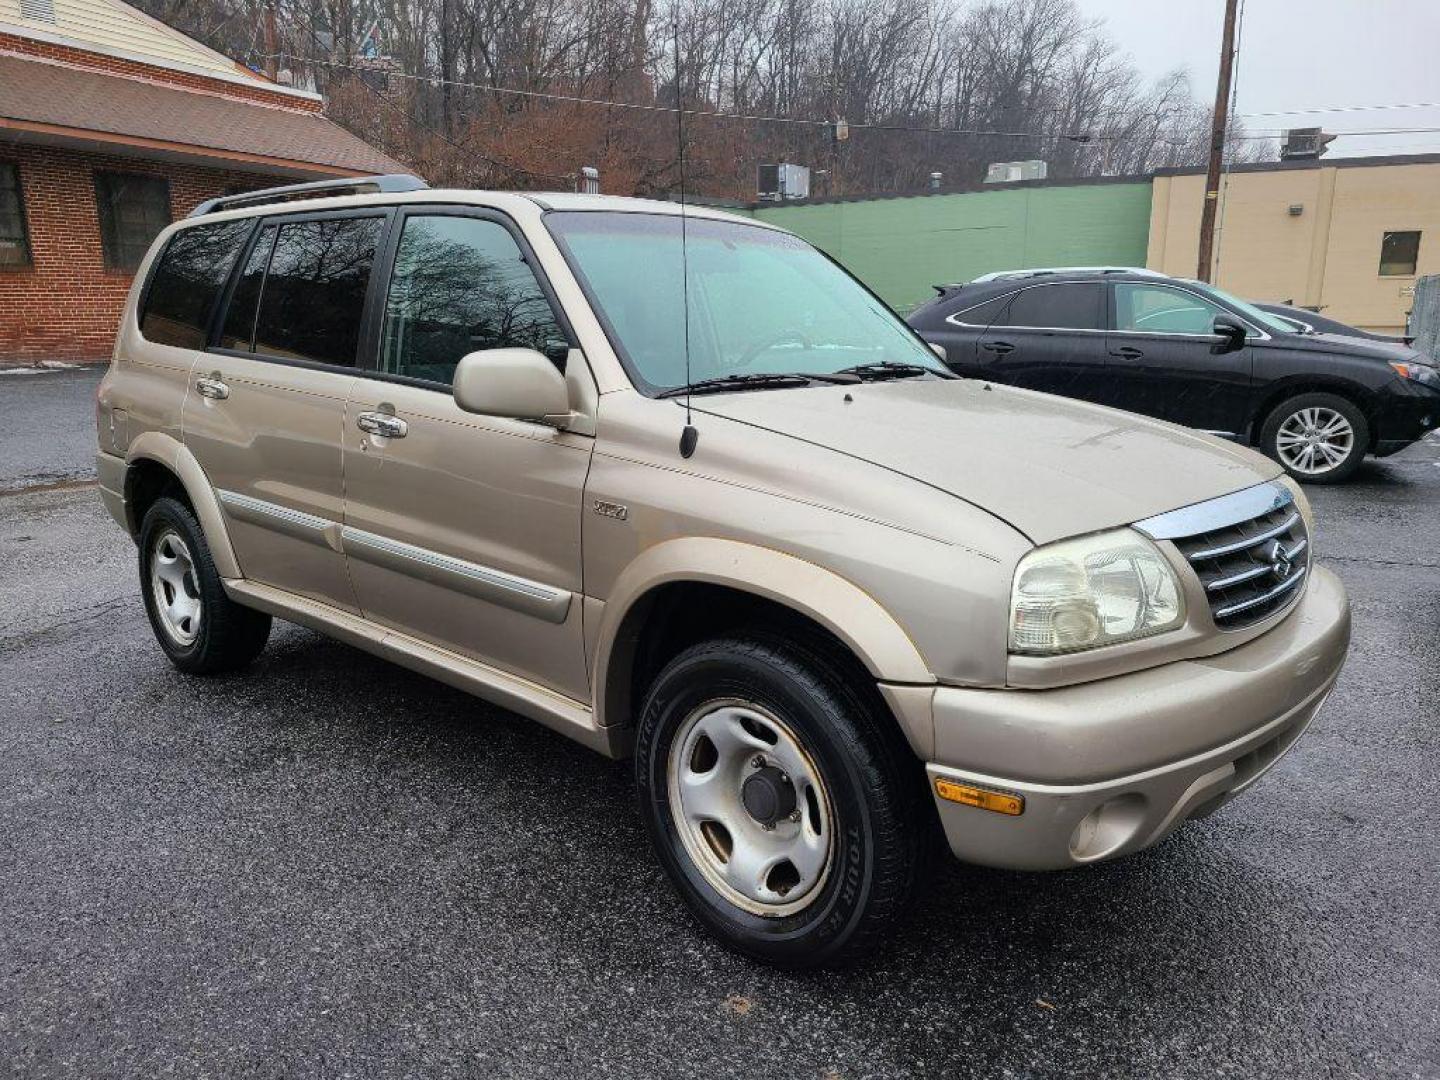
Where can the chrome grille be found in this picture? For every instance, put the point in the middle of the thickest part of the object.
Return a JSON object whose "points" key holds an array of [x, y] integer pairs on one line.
{"points": [[1250, 551]]}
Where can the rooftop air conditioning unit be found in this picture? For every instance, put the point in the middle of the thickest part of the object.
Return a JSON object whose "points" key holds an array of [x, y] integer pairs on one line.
{"points": [[1008, 172], [779, 183], [1304, 143]]}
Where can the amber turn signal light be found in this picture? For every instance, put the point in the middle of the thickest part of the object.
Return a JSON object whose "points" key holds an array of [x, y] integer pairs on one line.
{"points": [[995, 801]]}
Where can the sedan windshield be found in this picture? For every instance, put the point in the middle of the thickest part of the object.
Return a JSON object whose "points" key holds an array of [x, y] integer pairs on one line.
{"points": [[761, 302]]}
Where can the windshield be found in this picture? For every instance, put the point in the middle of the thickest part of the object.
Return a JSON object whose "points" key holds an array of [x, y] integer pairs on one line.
{"points": [[761, 302], [1274, 323]]}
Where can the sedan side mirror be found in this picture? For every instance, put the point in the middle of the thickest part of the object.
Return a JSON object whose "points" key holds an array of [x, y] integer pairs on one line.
{"points": [[520, 384], [1230, 331], [939, 350]]}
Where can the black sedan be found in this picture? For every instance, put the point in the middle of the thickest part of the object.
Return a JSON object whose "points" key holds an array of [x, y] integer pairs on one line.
{"points": [[1192, 354]]}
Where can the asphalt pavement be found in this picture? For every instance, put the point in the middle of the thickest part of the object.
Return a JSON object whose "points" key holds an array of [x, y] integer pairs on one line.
{"points": [[331, 867]]}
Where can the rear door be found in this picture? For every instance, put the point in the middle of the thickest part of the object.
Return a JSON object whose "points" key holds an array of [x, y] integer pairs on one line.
{"points": [[1166, 361], [267, 403], [464, 530], [1050, 337]]}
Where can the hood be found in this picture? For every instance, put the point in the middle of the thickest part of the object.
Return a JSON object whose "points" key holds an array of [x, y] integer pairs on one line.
{"points": [[1050, 467], [1373, 348]]}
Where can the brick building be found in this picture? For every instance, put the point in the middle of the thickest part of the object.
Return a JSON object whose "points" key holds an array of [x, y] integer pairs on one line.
{"points": [[112, 125]]}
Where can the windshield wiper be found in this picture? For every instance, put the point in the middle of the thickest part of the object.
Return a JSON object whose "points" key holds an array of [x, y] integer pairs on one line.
{"points": [[755, 380], [892, 369]]}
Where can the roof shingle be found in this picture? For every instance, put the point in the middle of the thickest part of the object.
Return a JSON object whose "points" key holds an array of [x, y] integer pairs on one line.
{"points": [[46, 93]]}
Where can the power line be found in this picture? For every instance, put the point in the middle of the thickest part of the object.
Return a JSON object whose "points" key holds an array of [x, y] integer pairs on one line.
{"points": [[1078, 136], [1347, 109], [807, 121], [514, 170]]}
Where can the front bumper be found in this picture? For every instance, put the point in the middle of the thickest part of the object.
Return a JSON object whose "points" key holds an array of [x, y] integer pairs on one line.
{"points": [[1112, 766]]}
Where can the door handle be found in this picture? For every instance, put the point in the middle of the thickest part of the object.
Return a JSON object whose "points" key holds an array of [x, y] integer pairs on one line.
{"points": [[383, 424], [1000, 348], [1129, 352], [212, 388]]}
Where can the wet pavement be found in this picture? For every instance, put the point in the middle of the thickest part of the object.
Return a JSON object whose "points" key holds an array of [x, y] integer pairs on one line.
{"points": [[329, 866]]}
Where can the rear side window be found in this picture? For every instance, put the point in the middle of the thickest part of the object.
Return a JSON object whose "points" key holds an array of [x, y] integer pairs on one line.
{"points": [[984, 314], [187, 281], [1058, 307], [239, 329], [301, 294]]}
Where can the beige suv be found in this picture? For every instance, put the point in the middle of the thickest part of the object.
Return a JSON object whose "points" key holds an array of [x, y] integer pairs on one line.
{"points": [[678, 487]]}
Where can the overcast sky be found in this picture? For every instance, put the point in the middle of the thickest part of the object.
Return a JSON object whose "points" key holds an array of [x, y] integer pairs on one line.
{"points": [[1300, 54]]}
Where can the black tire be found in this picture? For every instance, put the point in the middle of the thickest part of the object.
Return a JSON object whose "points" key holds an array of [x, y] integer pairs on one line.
{"points": [[224, 636], [878, 825], [1270, 434]]}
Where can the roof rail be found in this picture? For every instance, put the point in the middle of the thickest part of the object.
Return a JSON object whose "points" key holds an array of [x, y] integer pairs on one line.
{"points": [[1041, 270], [349, 185]]}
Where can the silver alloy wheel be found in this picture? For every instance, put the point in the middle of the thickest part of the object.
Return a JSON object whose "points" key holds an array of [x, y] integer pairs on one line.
{"points": [[174, 588], [1314, 440], [767, 866]]}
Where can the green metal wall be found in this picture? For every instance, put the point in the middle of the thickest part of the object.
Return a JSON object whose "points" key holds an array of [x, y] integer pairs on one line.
{"points": [[901, 247]]}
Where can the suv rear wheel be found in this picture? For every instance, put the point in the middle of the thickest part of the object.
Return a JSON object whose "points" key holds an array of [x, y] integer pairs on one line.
{"points": [[202, 630], [780, 801], [1317, 438]]}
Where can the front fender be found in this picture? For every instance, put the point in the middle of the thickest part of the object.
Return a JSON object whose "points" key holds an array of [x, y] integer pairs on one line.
{"points": [[168, 451], [843, 608]]}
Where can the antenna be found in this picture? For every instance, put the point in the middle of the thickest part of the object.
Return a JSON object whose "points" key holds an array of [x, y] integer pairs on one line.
{"points": [[689, 436]]}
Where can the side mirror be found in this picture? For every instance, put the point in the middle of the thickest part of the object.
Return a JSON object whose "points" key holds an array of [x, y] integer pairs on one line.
{"points": [[520, 384], [1230, 331], [938, 350]]}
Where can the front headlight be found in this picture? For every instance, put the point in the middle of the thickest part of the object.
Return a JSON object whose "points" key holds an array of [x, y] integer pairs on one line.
{"points": [[1093, 591]]}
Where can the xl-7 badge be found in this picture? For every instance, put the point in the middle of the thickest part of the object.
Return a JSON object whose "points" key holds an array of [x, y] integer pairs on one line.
{"points": [[618, 511]]}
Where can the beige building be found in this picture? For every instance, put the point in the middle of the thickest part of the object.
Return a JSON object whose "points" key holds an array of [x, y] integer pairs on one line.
{"points": [[1347, 236]]}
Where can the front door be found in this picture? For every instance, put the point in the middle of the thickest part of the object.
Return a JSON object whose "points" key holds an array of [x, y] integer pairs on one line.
{"points": [[464, 530], [1050, 338], [265, 413], [1166, 359]]}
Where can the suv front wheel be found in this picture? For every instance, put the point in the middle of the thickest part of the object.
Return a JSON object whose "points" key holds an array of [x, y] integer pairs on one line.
{"points": [[1317, 438], [202, 630], [780, 801]]}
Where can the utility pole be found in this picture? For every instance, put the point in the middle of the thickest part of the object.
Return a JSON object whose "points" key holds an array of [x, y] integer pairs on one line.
{"points": [[1217, 144], [272, 45]]}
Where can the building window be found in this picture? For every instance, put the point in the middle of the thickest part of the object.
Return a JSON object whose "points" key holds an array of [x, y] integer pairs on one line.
{"points": [[14, 238], [133, 210], [1399, 252]]}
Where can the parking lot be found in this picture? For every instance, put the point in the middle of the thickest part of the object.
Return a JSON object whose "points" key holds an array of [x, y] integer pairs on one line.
{"points": [[329, 866]]}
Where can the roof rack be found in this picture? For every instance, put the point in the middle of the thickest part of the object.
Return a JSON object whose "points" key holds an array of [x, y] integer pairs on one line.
{"points": [[1038, 271], [350, 185]]}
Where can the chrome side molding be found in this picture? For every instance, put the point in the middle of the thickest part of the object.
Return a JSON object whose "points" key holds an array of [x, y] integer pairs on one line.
{"points": [[293, 523], [483, 582]]}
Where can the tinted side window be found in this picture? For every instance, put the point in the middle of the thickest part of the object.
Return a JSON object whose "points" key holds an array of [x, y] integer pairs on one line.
{"points": [[313, 295], [1157, 310], [187, 279], [460, 285], [985, 314], [1064, 307], [238, 331]]}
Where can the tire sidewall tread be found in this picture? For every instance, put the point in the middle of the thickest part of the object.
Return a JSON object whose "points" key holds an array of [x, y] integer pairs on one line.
{"points": [[875, 808]]}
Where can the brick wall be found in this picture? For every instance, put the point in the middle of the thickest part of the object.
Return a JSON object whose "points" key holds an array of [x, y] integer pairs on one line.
{"points": [[135, 69], [67, 305]]}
